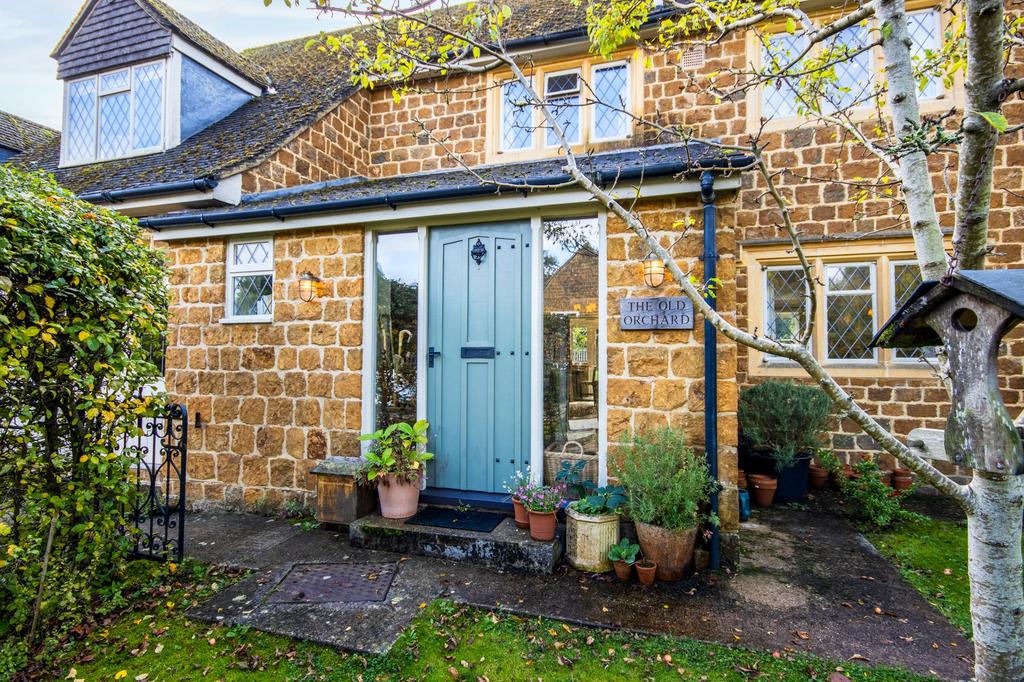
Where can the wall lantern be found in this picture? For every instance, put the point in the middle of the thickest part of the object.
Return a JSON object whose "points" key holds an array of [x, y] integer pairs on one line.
{"points": [[654, 271], [310, 286]]}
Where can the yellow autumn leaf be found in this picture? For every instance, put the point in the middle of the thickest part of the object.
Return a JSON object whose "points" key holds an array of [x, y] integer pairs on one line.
{"points": [[120, 674], [83, 335]]}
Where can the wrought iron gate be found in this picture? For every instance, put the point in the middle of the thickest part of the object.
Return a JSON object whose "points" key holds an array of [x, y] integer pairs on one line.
{"points": [[159, 456]]}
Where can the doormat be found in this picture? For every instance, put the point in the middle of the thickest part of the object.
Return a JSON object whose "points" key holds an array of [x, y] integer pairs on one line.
{"points": [[480, 521], [328, 583]]}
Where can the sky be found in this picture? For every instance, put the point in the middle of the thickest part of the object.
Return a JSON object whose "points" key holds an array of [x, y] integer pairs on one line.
{"points": [[28, 77]]}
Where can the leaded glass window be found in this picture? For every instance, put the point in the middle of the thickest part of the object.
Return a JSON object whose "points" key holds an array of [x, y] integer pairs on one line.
{"points": [[850, 312], [562, 96], [611, 89], [516, 117], [115, 114], [852, 68], [786, 304], [906, 276], [925, 28], [251, 279], [778, 98]]}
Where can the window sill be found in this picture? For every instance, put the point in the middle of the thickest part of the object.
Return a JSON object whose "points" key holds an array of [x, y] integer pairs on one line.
{"points": [[865, 370], [935, 105], [254, 319]]}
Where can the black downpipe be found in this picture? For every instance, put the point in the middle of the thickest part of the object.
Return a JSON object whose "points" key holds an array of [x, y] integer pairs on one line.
{"points": [[707, 196]]}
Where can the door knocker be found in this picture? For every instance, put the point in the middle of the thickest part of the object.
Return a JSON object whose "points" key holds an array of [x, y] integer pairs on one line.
{"points": [[478, 252]]}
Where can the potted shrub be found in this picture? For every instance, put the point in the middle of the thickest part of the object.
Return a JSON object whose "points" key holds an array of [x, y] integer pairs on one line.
{"points": [[520, 487], [395, 464], [542, 503], [647, 571], [623, 556], [668, 485], [592, 527], [784, 424]]}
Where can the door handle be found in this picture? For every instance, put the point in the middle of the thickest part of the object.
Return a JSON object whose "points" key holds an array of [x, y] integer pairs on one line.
{"points": [[431, 354]]}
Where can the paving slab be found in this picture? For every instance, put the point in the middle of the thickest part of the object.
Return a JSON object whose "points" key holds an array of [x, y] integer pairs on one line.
{"points": [[808, 581]]}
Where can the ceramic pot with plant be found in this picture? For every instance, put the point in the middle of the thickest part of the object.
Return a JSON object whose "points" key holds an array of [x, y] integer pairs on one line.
{"points": [[902, 479], [668, 486], [647, 571], [784, 424], [542, 504], [395, 463], [763, 490], [592, 528], [519, 488], [818, 477], [623, 555]]}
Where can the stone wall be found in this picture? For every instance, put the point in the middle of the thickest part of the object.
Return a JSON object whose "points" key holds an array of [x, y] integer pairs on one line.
{"points": [[272, 399]]}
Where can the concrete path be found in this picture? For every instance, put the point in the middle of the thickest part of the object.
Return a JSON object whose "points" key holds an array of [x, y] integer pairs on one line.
{"points": [[808, 582]]}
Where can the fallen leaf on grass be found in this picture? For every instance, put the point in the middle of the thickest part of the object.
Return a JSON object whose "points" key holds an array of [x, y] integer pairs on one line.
{"points": [[120, 674], [859, 657]]}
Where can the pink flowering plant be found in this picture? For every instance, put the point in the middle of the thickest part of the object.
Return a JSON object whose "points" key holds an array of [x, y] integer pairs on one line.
{"points": [[520, 485], [545, 499]]}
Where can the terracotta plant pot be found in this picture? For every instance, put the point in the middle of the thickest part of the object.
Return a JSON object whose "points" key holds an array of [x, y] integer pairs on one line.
{"points": [[588, 539], [522, 516], [399, 499], [623, 570], [902, 479], [647, 571], [838, 477], [886, 477], [542, 526], [671, 550], [763, 490], [818, 477]]}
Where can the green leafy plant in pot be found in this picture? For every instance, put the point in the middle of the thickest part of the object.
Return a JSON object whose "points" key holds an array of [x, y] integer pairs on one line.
{"points": [[623, 556], [669, 486], [784, 424], [396, 464], [592, 527]]}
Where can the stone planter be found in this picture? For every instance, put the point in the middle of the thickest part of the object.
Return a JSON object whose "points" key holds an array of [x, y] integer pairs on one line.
{"points": [[399, 499], [672, 550], [588, 539]]}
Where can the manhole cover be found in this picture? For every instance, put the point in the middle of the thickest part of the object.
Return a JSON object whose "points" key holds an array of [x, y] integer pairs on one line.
{"points": [[325, 583]]}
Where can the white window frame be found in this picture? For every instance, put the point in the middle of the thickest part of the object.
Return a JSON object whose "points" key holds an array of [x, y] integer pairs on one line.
{"points": [[627, 106], [501, 123], [232, 271], [767, 312], [873, 290], [579, 107], [130, 88]]}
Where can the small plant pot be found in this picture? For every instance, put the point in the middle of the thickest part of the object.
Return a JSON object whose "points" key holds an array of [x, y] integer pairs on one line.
{"points": [[818, 477], [623, 570], [522, 516], [763, 490], [543, 526], [646, 570], [399, 499], [902, 479]]}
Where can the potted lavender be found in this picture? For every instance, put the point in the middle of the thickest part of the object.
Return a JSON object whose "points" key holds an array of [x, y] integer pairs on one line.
{"points": [[520, 487], [542, 503]]}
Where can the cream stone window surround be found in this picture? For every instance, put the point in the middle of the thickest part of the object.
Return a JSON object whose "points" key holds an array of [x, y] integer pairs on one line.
{"points": [[942, 101], [249, 281], [587, 67], [879, 253]]}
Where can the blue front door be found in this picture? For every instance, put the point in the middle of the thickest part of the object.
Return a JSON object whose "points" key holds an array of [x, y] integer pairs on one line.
{"points": [[478, 367]]}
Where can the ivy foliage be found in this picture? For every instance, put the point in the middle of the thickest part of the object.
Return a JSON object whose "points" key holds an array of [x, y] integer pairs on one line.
{"points": [[82, 308]]}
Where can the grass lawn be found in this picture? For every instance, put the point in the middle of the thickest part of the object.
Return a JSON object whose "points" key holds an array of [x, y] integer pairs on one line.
{"points": [[154, 640]]}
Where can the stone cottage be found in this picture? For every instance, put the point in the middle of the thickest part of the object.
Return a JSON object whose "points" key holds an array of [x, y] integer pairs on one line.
{"points": [[333, 268]]}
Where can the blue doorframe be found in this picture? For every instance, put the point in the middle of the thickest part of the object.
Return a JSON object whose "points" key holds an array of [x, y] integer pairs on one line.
{"points": [[478, 373]]}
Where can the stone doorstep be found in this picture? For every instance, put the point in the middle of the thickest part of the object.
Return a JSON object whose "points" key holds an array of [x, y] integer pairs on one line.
{"points": [[506, 548]]}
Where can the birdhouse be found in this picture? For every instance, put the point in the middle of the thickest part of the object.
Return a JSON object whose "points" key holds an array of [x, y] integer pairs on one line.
{"points": [[969, 313]]}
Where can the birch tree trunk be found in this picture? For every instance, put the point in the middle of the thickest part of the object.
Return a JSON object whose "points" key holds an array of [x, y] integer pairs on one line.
{"points": [[994, 567]]}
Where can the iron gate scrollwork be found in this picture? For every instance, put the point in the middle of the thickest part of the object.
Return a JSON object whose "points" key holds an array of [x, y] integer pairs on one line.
{"points": [[156, 521]]}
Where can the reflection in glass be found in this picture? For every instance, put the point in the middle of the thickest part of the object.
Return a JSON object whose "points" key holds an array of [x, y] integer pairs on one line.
{"points": [[571, 327], [397, 287]]}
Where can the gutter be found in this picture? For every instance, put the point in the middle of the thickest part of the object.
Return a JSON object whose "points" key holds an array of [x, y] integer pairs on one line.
{"points": [[710, 258], [282, 213], [119, 195]]}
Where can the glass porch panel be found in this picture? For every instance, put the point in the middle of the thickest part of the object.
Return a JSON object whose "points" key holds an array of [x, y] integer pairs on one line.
{"points": [[397, 277], [571, 328]]}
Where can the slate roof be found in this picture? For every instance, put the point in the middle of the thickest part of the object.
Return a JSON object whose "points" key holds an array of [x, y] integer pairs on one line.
{"points": [[349, 193], [19, 133], [307, 84]]}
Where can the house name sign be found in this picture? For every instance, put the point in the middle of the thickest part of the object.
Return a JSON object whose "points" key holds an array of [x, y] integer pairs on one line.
{"points": [[655, 312]]}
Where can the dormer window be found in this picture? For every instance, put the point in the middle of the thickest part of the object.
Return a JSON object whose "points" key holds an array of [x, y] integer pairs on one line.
{"points": [[115, 114]]}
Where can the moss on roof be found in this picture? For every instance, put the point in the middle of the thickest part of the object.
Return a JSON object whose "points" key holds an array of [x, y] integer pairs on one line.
{"points": [[19, 133]]}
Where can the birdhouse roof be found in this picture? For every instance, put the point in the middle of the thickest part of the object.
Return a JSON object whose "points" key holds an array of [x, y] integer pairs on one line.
{"points": [[907, 327]]}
